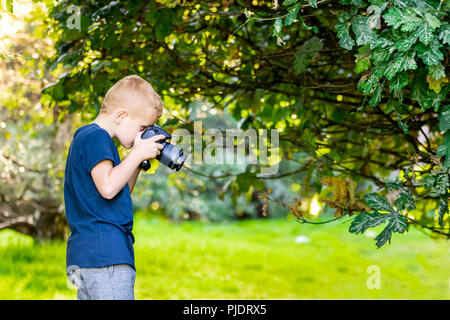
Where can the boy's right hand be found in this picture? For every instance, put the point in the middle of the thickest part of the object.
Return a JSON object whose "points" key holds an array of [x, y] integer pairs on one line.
{"points": [[148, 148]]}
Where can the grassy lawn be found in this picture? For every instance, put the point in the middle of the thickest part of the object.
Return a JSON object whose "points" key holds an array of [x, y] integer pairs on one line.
{"points": [[244, 260]]}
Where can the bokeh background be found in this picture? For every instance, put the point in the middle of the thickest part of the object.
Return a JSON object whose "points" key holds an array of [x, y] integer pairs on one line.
{"points": [[223, 231]]}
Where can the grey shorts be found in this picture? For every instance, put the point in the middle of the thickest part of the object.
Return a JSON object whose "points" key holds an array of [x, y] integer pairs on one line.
{"points": [[115, 282]]}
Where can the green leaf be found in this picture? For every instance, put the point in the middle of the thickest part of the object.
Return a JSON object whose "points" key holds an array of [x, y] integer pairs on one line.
{"points": [[383, 237], [442, 182], [393, 67], [425, 33], [373, 21], [258, 184], [313, 3], [447, 144], [300, 63], [368, 86], [396, 185], [399, 81], [428, 181], [313, 28], [362, 63], [362, 31], [377, 2], [425, 5], [379, 69], [356, 3], [444, 121], [405, 201], [398, 223], [393, 17], [431, 55], [436, 71], [444, 34], [406, 60], [402, 3], [406, 44], [277, 26], [407, 19], [380, 43], [376, 202], [403, 126], [243, 182], [9, 6], [441, 151], [380, 55], [312, 47], [402, 61], [308, 51], [367, 220], [291, 15], [289, 2], [401, 202], [410, 21], [346, 15], [411, 25], [406, 198], [432, 20], [420, 91], [377, 95], [345, 40]]}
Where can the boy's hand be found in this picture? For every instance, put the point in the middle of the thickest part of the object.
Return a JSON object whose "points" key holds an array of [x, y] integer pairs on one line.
{"points": [[148, 148]]}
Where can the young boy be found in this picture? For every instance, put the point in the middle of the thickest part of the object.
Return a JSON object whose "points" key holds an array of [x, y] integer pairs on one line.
{"points": [[97, 188]]}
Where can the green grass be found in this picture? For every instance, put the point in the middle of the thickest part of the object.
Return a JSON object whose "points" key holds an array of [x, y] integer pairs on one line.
{"points": [[244, 260]]}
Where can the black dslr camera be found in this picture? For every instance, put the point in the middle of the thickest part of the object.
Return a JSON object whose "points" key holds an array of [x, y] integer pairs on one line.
{"points": [[170, 156]]}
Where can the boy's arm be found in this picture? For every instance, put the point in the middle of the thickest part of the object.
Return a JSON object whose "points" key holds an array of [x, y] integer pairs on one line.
{"points": [[133, 179], [109, 180]]}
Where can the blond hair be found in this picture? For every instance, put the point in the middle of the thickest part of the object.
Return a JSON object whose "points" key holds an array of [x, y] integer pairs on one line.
{"points": [[132, 93]]}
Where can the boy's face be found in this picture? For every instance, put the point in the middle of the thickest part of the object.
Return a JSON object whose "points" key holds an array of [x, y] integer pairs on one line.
{"points": [[129, 127]]}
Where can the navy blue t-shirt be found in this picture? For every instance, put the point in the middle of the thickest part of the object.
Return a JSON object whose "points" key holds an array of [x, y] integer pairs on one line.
{"points": [[100, 228]]}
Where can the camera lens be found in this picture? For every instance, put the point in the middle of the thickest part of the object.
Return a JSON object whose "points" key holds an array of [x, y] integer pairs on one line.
{"points": [[172, 157]]}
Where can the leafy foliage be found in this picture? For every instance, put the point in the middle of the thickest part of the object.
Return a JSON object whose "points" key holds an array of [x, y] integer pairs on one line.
{"points": [[402, 48], [32, 140], [396, 221], [356, 89]]}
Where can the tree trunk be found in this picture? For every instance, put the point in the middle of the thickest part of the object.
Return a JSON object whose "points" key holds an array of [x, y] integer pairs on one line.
{"points": [[37, 211]]}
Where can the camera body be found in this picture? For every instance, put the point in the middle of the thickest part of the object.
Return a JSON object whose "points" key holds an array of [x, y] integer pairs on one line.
{"points": [[170, 156]]}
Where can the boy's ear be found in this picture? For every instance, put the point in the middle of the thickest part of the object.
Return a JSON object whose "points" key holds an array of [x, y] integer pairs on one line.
{"points": [[120, 115]]}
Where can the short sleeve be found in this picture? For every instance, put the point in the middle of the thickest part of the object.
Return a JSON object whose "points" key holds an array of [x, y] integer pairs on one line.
{"points": [[98, 147]]}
